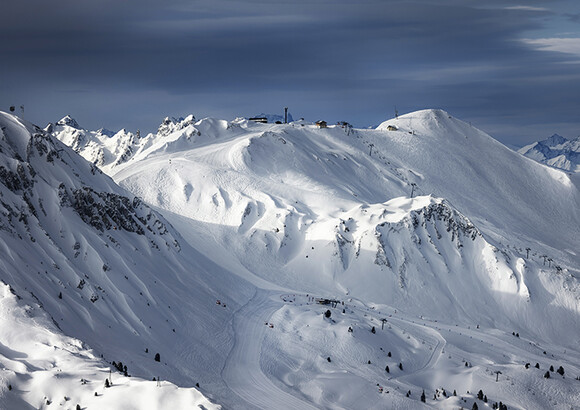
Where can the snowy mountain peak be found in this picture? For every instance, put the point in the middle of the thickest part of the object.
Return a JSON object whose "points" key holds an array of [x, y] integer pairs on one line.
{"points": [[171, 124], [69, 121], [553, 141], [555, 151], [428, 113], [423, 120], [105, 132]]}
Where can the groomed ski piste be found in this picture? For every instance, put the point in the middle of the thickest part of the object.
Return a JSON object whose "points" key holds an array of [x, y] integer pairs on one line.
{"points": [[294, 242]]}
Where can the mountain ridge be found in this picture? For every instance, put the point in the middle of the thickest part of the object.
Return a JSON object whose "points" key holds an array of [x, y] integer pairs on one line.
{"points": [[555, 151]]}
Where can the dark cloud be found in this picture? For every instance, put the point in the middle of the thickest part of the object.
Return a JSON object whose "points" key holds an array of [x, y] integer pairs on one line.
{"points": [[130, 63]]}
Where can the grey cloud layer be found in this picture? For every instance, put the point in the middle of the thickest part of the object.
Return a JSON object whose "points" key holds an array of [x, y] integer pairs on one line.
{"points": [[325, 59]]}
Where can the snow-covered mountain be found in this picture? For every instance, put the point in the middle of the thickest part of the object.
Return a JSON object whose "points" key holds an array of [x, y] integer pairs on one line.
{"points": [[556, 151], [304, 207], [43, 368], [108, 149], [104, 148], [312, 268], [87, 259]]}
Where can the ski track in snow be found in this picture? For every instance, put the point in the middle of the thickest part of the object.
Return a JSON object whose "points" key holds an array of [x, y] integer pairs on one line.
{"points": [[420, 331], [439, 340], [242, 372]]}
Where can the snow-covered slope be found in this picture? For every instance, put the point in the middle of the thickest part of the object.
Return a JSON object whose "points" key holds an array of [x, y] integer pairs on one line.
{"points": [[42, 368], [466, 249], [305, 204], [555, 151], [327, 211], [105, 267]]}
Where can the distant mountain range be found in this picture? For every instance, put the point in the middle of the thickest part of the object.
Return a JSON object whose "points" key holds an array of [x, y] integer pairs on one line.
{"points": [[556, 151]]}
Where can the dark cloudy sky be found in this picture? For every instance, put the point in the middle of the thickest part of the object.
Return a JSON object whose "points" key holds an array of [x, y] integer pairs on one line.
{"points": [[511, 68]]}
